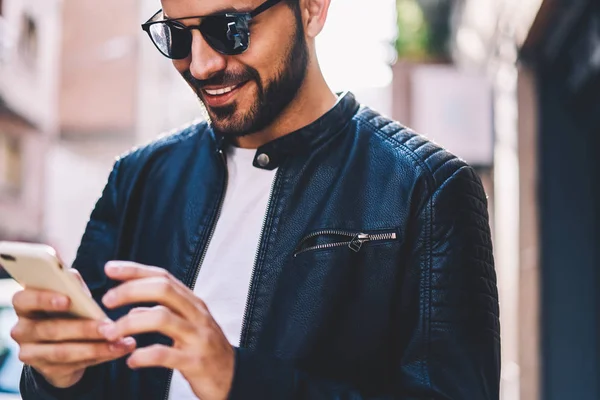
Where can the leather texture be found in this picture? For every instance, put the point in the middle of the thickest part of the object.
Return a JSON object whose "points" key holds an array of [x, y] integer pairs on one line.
{"points": [[411, 317]]}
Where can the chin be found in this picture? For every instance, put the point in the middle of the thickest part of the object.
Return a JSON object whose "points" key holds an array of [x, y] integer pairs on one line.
{"points": [[230, 127], [237, 118]]}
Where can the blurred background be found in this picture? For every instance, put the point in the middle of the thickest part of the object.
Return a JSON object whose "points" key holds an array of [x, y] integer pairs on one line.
{"points": [[511, 86]]}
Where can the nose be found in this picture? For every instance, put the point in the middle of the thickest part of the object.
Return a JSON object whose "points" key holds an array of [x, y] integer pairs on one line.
{"points": [[205, 62]]}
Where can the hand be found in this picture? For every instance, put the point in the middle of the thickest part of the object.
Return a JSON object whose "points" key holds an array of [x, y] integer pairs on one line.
{"points": [[60, 349], [200, 350]]}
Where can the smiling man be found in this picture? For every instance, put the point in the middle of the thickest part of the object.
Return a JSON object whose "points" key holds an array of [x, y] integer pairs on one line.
{"points": [[297, 246]]}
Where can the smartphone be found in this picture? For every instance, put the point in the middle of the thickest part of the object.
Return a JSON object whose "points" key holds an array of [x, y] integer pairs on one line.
{"points": [[37, 266]]}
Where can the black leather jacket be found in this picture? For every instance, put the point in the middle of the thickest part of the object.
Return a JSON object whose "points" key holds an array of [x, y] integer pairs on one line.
{"points": [[374, 277]]}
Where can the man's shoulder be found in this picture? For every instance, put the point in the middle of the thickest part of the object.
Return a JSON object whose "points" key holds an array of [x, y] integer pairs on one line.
{"points": [[175, 144], [413, 151], [169, 141]]}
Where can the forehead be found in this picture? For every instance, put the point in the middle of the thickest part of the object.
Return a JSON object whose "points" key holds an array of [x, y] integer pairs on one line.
{"points": [[185, 8]]}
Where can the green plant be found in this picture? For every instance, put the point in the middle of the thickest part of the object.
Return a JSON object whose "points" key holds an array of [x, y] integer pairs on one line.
{"points": [[423, 29]]}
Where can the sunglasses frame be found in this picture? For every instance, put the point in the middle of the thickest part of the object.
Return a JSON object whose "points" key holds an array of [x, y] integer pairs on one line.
{"points": [[242, 21]]}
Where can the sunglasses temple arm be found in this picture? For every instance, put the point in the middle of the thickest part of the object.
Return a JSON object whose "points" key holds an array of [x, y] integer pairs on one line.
{"points": [[264, 7]]}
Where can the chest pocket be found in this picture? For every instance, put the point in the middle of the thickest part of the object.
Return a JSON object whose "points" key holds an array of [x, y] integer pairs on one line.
{"points": [[354, 241], [335, 280]]}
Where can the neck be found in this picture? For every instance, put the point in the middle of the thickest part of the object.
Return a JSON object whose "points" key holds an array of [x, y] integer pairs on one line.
{"points": [[313, 100]]}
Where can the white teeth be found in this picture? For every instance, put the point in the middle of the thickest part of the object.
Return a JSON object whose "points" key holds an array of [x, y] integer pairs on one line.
{"points": [[218, 92]]}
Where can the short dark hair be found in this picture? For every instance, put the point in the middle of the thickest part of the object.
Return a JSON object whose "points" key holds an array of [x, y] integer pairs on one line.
{"points": [[294, 5]]}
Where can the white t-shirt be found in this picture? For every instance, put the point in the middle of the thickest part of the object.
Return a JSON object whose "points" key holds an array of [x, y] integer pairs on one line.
{"points": [[224, 279]]}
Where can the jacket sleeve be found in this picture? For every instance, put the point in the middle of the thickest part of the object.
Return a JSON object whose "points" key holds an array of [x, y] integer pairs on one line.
{"points": [[96, 248], [452, 323]]}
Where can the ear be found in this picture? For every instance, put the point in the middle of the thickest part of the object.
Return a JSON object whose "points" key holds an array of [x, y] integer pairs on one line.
{"points": [[314, 13]]}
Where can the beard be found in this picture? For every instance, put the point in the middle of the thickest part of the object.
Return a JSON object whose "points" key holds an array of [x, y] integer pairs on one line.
{"points": [[272, 97]]}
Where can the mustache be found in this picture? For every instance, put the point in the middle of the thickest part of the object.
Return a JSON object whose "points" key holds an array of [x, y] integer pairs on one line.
{"points": [[223, 78]]}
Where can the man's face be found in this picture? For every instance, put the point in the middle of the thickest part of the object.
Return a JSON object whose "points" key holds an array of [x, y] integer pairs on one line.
{"points": [[258, 84]]}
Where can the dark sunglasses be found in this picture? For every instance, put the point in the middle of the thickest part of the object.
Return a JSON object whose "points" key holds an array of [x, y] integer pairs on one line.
{"points": [[228, 33]]}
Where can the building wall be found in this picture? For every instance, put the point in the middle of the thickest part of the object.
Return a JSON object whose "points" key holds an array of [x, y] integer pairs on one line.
{"points": [[29, 82], [77, 93], [97, 99], [21, 206], [487, 38], [28, 86], [563, 49], [529, 279], [75, 177], [99, 64]]}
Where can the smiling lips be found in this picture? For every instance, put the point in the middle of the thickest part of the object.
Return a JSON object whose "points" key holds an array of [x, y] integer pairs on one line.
{"points": [[217, 92], [216, 97]]}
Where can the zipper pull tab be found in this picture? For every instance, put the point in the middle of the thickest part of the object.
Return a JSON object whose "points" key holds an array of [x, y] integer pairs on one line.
{"points": [[357, 241]]}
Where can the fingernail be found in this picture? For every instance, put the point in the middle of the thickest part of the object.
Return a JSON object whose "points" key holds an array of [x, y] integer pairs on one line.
{"points": [[109, 297], [131, 362], [123, 344], [113, 266], [59, 302]]}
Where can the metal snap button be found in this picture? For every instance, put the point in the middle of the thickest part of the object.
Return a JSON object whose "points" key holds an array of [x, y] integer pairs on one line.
{"points": [[263, 160]]}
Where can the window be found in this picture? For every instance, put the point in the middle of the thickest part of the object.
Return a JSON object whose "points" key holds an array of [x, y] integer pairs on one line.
{"points": [[10, 164], [28, 41]]}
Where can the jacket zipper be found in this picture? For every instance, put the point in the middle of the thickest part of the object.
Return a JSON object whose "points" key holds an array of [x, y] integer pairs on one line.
{"points": [[192, 284], [355, 243], [254, 268]]}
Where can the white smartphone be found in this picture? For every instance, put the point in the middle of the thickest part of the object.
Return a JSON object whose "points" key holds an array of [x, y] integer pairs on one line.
{"points": [[37, 266]]}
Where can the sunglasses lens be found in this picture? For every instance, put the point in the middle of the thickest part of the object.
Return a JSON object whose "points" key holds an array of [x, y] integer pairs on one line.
{"points": [[172, 40], [226, 34]]}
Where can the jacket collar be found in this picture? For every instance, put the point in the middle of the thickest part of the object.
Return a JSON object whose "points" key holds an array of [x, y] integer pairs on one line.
{"points": [[272, 154]]}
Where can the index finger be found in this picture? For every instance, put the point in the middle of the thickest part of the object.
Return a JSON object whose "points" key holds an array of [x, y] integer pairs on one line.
{"points": [[31, 301], [127, 271], [57, 330]]}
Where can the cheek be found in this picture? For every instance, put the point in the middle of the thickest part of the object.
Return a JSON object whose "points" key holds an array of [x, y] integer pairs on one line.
{"points": [[182, 65], [265, 59], [269, 44]]}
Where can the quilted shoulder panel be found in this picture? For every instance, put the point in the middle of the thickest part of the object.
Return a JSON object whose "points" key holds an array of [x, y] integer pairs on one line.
{"points": [[439, 163]]}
